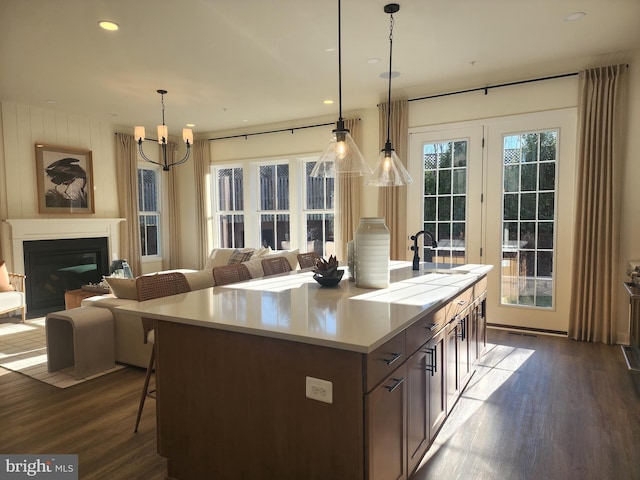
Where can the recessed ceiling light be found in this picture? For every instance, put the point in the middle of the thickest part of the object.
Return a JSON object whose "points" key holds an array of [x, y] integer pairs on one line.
{"points": [[373, 61], [190, 125], [328, 102], [50, 101], [108, 25], [572, 17]]}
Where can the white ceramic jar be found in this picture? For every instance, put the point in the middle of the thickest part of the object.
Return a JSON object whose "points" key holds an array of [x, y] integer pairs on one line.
{"points": [[372, 253]]}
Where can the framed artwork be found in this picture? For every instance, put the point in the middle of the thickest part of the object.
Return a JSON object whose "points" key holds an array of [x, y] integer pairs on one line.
{"points": [[65, 179]]}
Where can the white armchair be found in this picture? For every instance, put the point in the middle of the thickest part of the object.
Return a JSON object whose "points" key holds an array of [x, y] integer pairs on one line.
{"points": [[16, 299]]}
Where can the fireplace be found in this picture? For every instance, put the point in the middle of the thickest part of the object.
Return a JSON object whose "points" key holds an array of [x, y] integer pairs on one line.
{"points": [[16, 234], [55, 266]]}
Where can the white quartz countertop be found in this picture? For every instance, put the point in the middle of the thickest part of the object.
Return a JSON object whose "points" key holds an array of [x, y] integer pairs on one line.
{"points": [[294, 307]]}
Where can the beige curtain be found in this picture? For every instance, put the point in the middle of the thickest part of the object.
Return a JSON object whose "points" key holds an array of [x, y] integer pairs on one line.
{"points": [[392, 201], [175, 260], [595, 277], [201, 165], [348, 200], [127, 171]]}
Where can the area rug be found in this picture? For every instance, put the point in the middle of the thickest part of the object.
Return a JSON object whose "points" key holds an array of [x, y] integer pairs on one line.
{"points": [[23, 349]]}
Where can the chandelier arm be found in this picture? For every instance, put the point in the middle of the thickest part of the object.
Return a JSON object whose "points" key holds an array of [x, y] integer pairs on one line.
{"points": [[144, 156], [180, 162]]}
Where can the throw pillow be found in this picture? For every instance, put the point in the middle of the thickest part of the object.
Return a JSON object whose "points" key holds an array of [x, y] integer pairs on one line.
{"points": [[123, 287], [5, 284], [200, 279], [239, 256]]}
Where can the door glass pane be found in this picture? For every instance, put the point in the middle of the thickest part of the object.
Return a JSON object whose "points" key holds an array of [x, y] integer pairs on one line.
{"points": [[445, 199], [528, 225]]}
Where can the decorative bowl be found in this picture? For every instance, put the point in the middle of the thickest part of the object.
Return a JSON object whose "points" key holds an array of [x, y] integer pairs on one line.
{"points": [[329, 281]]}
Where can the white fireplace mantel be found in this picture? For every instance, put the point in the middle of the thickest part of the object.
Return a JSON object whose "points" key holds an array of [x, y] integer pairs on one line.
{"points": [[59, 228]]}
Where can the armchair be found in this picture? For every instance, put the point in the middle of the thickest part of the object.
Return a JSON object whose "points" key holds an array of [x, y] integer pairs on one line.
{"points": [[12, 292]]}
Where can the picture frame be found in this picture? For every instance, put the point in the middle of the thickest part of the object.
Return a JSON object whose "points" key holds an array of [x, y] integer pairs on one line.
{"points": [[65, 179]]}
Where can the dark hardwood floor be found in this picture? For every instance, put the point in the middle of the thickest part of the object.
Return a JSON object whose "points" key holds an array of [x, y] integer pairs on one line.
{"points": [[94, 419], [538, 408], [542, 408]]}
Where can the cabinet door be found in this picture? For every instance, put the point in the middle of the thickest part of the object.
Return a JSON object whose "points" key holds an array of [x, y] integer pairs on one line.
{"points": [[387, 428], [473, 334], [436, 380], [417, 406], [482, 324], [464, 358], [453, 379]]}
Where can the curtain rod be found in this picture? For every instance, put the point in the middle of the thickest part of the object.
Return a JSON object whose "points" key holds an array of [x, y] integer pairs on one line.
{"points": [[247, 135], [488, 87]]}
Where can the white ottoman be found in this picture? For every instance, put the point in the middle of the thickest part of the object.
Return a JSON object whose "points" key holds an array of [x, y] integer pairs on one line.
{"points": [[82, 338]]}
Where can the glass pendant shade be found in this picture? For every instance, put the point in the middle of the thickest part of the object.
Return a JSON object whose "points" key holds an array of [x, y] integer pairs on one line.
{"points": [[389, 172], [341, 158]]}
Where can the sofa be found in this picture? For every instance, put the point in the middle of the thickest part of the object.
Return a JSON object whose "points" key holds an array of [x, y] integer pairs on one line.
{"points": [[129, 336], [12, 293]]}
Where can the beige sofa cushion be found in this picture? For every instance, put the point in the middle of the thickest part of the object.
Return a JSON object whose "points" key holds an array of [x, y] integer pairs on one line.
{"points": [[200, 279], [123, 287]]}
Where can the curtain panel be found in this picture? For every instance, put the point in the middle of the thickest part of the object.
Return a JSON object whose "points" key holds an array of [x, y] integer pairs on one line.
{"points": [[127, 171], [597, 223], [392, 201], [173, 216], [348, 193], [201, 165]]}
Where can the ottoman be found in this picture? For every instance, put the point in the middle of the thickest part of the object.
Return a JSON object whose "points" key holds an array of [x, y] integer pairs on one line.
{"points": [[82, 338]]}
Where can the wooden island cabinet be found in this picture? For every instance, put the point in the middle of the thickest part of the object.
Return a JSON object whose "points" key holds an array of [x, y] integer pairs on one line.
{"points": [[305, 392]]}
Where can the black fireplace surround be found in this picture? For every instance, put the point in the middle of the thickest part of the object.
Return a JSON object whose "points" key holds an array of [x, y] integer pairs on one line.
{"points": [[54, 266]]}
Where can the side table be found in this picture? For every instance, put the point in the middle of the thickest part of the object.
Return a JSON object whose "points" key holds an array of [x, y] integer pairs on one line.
{"points": [[73, 298]]}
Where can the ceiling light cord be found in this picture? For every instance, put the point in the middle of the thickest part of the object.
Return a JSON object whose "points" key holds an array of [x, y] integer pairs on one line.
{"points": [[387, 145]]}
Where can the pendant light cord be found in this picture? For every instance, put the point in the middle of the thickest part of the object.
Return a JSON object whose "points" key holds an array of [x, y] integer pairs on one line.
{"points": [[389, 97], [340, 61]]}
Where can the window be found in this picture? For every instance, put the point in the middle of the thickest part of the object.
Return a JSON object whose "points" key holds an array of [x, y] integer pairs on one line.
{"points": [[230, 203], [274, 206], [319, 216], [286, 209], [149, 210]]}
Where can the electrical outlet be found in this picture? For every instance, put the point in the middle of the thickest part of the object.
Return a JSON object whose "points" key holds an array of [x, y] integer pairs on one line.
{"points": [[321, 390]]}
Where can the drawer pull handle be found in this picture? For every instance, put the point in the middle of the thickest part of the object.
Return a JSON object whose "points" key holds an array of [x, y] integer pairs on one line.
{"points": [[431, 327], [399, 381], [395, 357]]}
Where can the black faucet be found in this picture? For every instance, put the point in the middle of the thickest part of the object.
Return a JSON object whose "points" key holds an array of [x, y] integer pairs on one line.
{"points": [[415, 249]]}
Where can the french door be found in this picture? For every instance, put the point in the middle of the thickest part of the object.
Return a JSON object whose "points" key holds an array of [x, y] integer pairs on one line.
{"points": [[501, 192]]}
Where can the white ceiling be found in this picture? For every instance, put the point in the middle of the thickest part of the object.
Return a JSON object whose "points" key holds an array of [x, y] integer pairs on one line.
{"points": [[239, 63]]}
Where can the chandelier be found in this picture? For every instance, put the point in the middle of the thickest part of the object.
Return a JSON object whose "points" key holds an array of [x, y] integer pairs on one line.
{"points": [[163, 134]]}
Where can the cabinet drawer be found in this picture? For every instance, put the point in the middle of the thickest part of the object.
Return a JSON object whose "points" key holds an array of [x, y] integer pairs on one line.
{"points": [[480, 287], [459, 303], [424, 329], [384, 360]]}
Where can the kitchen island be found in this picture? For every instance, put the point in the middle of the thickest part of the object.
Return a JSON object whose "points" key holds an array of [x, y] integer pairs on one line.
{"points": [[281, 378]]}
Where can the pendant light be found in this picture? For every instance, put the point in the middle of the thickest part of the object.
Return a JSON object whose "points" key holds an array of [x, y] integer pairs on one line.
{"points": [[342, 157], [389, 172]]}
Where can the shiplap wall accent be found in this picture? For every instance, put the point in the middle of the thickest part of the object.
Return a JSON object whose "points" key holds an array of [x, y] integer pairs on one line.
{"points": [[22, 127]]}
